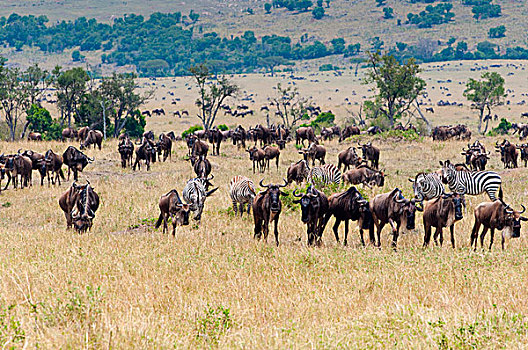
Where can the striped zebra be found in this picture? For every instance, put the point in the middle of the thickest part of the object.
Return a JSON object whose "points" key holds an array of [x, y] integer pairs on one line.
{"points": [[427, 186], [195, 194], [324, 175], [472, 182], [242, 191]]}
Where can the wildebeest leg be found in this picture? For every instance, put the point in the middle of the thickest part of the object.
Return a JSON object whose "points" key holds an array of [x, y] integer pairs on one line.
{"points": [[502, 241], [346, 232], [276, 230], [482, 235], [265, 228], [258, 229], [336, 229], [427, 235], [148, 163], [379, 226], [277, 163], [395, 232], [452, 229], [491, 238], [8, 180], [474, 234]]}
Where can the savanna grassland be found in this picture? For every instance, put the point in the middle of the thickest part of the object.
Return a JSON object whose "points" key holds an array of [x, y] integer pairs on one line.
{"points": [[127, 285]]}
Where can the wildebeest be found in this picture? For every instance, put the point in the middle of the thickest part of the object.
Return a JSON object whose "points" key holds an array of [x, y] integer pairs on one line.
{"points": [[297, 172], [314, 206], [271, 152], [79, 204], [364, 175], [314, 152], [37, 163], [171, 205], [34, 136], [475, 157], [442, 133], [69, 133], [442, 212], [267, 207], [329, 133], [75, 160], [201, 166], [524, 152], [54, 165], [82, 133], [373, 130], [349, 131], [258, 157], [350, 205], [158, 111], [19, 165], [262, 133], [239, 137], [149, 135], [144, 152], [197, 147], [496, 215], [215, 138], [304, 133], [370, 153], [93, 137], [393, 208], [195, 193], [164, 146], [509, 153], [348, 157], [126, 150]]}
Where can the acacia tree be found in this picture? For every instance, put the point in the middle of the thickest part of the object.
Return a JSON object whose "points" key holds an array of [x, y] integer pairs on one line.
{"points": [[485, 94], [13, 96], [398, 84], [71, 86], [35, 82], [290, 105], [212, 94]]}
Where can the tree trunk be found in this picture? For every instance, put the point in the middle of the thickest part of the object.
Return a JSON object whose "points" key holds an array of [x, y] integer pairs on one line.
{"points": [[480, 121]]}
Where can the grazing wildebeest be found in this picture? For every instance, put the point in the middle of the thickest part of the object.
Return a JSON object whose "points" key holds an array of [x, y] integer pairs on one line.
{"points": [[258, 157], [126, 150], [349, 131], [172, 206], [158, 111], [442, 212], [198, 148], [373, 130], [242, 191], [144, 152], [54, 165], [496, 215], [271, 152], [370, 153], [164, 146], [84, 208], [509, 153], [69, 133], [19, 165], [298, 172], [93, 137], [267, 207], [350, 205], [364, 175], [348, 157], [476, 158], [82, 133], [215, 138], [34, 136], [429, 109], [524, 152], [37, 163], [75, 160], [314, 206], [304, 133], [314, 152], [195, 193], [393, 208], [328, 134], [201, 166]]}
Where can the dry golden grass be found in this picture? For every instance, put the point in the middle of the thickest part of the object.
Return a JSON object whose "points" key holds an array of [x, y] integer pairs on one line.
{"points": [[126, 285]]}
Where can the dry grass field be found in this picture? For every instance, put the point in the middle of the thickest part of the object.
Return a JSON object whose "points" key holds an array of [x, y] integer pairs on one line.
{"points": [[126, 285]]}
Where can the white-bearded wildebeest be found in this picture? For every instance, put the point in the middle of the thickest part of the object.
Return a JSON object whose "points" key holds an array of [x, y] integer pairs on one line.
{"points": [[314, 206], [349, 131], [34, 136], [215, 138], [370, 153], [93, 137], [172, 206], [69, 133], [75, 160], [314, 152], [126, 151], [18, 165], [364, 175], [145, 152], [496, 215], [442, 212], [304, 133], [54, 165], [258, 157], [267, 207], [348, 157], [164, 146], [524, 152], [79, 204], [201, 166], [509, 153], [298, 172], [271, 152], [82, 133]]}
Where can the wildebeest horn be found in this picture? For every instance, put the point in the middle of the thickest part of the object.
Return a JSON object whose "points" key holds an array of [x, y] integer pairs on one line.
{"points": [[411, 180], [295, 194], [90, 159], [397, 200], [285, 183], [524, 209], [262, 185], [210, 178]]}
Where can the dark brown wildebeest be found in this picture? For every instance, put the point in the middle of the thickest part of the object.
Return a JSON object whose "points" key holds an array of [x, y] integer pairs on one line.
{"points": [[522, 129], [215, 138], [258, 157], [93, 137], [171, 135], [37, 163], [84, 209], [164, 146], [54, 165], [149, 135], [314, 152], [442, 212], [429, 109], [524, 152], [126, 151], [82, 133], [239, 137], [34, 136], [373, 130], [267, 207], [271, 152], [496, 215], [364, 175], [69, 133], [475, 158], [198, 148], [393, 208], [19, 165], [158, 111], [147, 113], [201, 166], [304, 133], [298, 172], [349, 131], [509, 153], [172, 206], [350, 205], [327, 134], [75, 160], [261, 133], [2, 175], [68, 200], [370, 153], [314, 206], [144, 152], [348, 157]]}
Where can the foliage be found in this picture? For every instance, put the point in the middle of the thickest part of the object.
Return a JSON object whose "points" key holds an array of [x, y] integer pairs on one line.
{"points": [[497, 32], [485, 93], [327, 67], [213, 324], [267, 7], [293, 5], [71, 86], [501, 129], [39, 120], [191, 130], [13, 96], [291, 106], [388, 12], [486, 10], [318, 12], [135, 124], [380, 3], [398, 84], [76, 56], [223, 127], [325, 119], [433, 15]]}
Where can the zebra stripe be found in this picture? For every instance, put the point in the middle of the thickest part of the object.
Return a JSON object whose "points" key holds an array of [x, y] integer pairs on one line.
{"points": [[324, 175], [428, 186], [242, 191], [194, 192], [473, 182]]}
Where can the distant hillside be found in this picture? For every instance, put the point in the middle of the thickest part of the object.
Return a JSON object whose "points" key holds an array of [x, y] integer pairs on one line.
{"points": [[357, 24]]}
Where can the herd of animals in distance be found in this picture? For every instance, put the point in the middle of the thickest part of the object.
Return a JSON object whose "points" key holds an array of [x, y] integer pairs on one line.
{"points": [[441, 208]]}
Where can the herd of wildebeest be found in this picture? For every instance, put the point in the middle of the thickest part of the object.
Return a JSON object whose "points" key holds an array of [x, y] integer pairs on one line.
{"points": [[441, 209]]}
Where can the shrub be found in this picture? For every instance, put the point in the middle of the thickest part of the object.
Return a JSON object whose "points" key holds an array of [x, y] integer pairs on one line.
{"points": [[223, 127], [501, 129], [497, 32], [213, 324], [191, 130], [40, 120], [388, 13], [318, 12], [135, 125]]}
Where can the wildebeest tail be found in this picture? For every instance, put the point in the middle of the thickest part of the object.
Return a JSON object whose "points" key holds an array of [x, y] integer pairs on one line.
{"points": [[160, 220], [500, 192], [61, 174]]}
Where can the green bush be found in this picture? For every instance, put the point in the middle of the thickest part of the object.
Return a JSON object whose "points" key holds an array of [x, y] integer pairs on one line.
{"points": [[501, 129], [325, 119], [223, 127], [135, 125], [318, 12], [40, 120], [497, 32], [191, 130]]}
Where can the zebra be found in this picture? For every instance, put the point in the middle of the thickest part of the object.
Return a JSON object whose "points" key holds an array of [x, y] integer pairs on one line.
{"points": [[427, 186], [324, 175], [242, 190], [195, 194], [472, 182]]}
